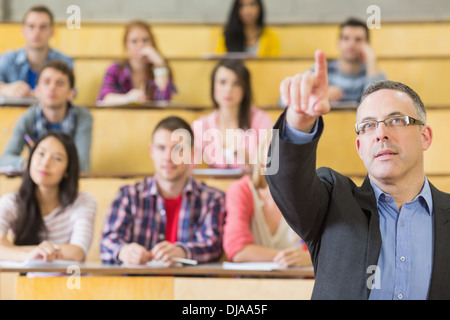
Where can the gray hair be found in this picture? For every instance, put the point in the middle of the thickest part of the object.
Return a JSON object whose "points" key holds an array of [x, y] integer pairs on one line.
{"points": [[398, 86]]}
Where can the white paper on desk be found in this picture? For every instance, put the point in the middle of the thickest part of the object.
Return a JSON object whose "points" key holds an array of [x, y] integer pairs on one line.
{"points": [[218, 172], [38, 264], [151, 264], [9, 170], [259, 266], [133, 103], [6, 101]]}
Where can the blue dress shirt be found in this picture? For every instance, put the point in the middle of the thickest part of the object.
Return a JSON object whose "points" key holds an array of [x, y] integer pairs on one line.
{"points": [[405, 261]]}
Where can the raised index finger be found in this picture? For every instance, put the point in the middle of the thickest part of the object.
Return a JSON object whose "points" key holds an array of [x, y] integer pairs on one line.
{"points": [[320, 69]]}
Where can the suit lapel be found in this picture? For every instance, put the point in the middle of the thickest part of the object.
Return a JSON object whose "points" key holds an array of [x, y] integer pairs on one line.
{"points": [[439, 286], [366, 199]]}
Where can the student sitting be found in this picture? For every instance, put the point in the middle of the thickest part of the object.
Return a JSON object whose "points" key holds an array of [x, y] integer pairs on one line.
{"points": [[246, 32], [255, 229], [356, 68], [143, 76], [228, 137], [19, 69], [169, 214], [55, 90], [50, 219]]}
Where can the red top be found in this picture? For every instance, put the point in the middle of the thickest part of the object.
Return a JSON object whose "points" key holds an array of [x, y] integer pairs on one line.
{"points": [[172, 212]]}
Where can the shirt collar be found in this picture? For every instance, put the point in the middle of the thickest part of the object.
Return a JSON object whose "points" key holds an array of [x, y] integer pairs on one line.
{"points": [[151, 187], [21, 57], [424, 195]]}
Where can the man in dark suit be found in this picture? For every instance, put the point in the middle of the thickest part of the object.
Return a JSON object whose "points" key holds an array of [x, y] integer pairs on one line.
{"points": [[389, 238]]}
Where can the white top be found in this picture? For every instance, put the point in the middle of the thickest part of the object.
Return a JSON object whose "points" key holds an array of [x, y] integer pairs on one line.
{"points": [[74, 225], [283, 238]]}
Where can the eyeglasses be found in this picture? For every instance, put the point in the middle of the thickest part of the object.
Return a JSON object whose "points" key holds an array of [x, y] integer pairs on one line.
{"points": [[393, 122]]}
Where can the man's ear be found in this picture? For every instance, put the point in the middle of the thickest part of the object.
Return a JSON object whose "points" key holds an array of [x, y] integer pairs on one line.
{"points": [[427, 137], [358, 146], [150, 149], [71, 95]]}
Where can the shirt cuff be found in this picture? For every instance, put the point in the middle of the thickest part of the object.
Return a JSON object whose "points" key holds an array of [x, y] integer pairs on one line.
{"points": [[295, 136]]}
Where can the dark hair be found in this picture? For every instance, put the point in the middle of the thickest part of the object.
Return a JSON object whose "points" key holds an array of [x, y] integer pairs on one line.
{"points": [[353, 22], [40, 9], [173, 123], [29, 222], [234, 30], [239, 68], [398, 86], [63, 68]]}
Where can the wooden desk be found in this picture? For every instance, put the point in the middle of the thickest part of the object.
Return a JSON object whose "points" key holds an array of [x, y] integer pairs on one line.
{"points": [[202, 282]]}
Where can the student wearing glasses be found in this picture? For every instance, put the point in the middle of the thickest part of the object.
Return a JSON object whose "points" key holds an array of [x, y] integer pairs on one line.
{"points": [[388, 238]]}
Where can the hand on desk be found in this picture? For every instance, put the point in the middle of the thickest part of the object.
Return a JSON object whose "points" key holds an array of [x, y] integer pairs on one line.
{"points": [[165, 251], [293, 257], [45, 251], [18, 89], [136, 254]]}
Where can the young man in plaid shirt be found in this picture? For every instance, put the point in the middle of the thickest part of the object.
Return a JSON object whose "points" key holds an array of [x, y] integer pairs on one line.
{"points": [[169, 214]]}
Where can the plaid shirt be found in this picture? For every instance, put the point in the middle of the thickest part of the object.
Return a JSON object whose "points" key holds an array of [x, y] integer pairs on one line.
{"points": [[118, 79], [137, 215]]}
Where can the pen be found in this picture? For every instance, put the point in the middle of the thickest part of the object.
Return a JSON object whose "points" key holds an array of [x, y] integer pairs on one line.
{"points": [[29, 140], [185, 261]]}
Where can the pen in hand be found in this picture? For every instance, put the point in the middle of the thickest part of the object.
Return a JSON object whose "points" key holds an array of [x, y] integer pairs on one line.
{"points": [[29, 141]]}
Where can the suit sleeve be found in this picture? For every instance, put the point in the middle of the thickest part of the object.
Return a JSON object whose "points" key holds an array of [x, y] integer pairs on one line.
{"points": [[296, 188]]}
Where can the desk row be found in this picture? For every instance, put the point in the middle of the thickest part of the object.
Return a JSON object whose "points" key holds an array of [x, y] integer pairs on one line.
{"points": [[120, 138]]}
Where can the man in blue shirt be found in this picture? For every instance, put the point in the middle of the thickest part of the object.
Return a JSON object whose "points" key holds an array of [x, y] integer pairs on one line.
{"points": [[387, 239], [19, 69], [356, 67]]}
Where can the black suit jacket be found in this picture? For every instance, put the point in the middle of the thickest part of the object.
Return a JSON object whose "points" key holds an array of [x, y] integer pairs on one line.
{"points": [[339, 223]]}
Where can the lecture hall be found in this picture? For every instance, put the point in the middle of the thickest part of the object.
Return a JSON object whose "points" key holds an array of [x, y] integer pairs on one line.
{"points": [[159, 150]]}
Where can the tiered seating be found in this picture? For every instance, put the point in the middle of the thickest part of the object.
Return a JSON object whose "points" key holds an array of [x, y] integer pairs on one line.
{"points": [[121, 137], [415, 53]]}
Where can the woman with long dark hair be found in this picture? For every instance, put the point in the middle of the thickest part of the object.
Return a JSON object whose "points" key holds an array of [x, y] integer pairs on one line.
{"points": [[246, 32], [227, 137], [49, 218], [144, 75]]}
